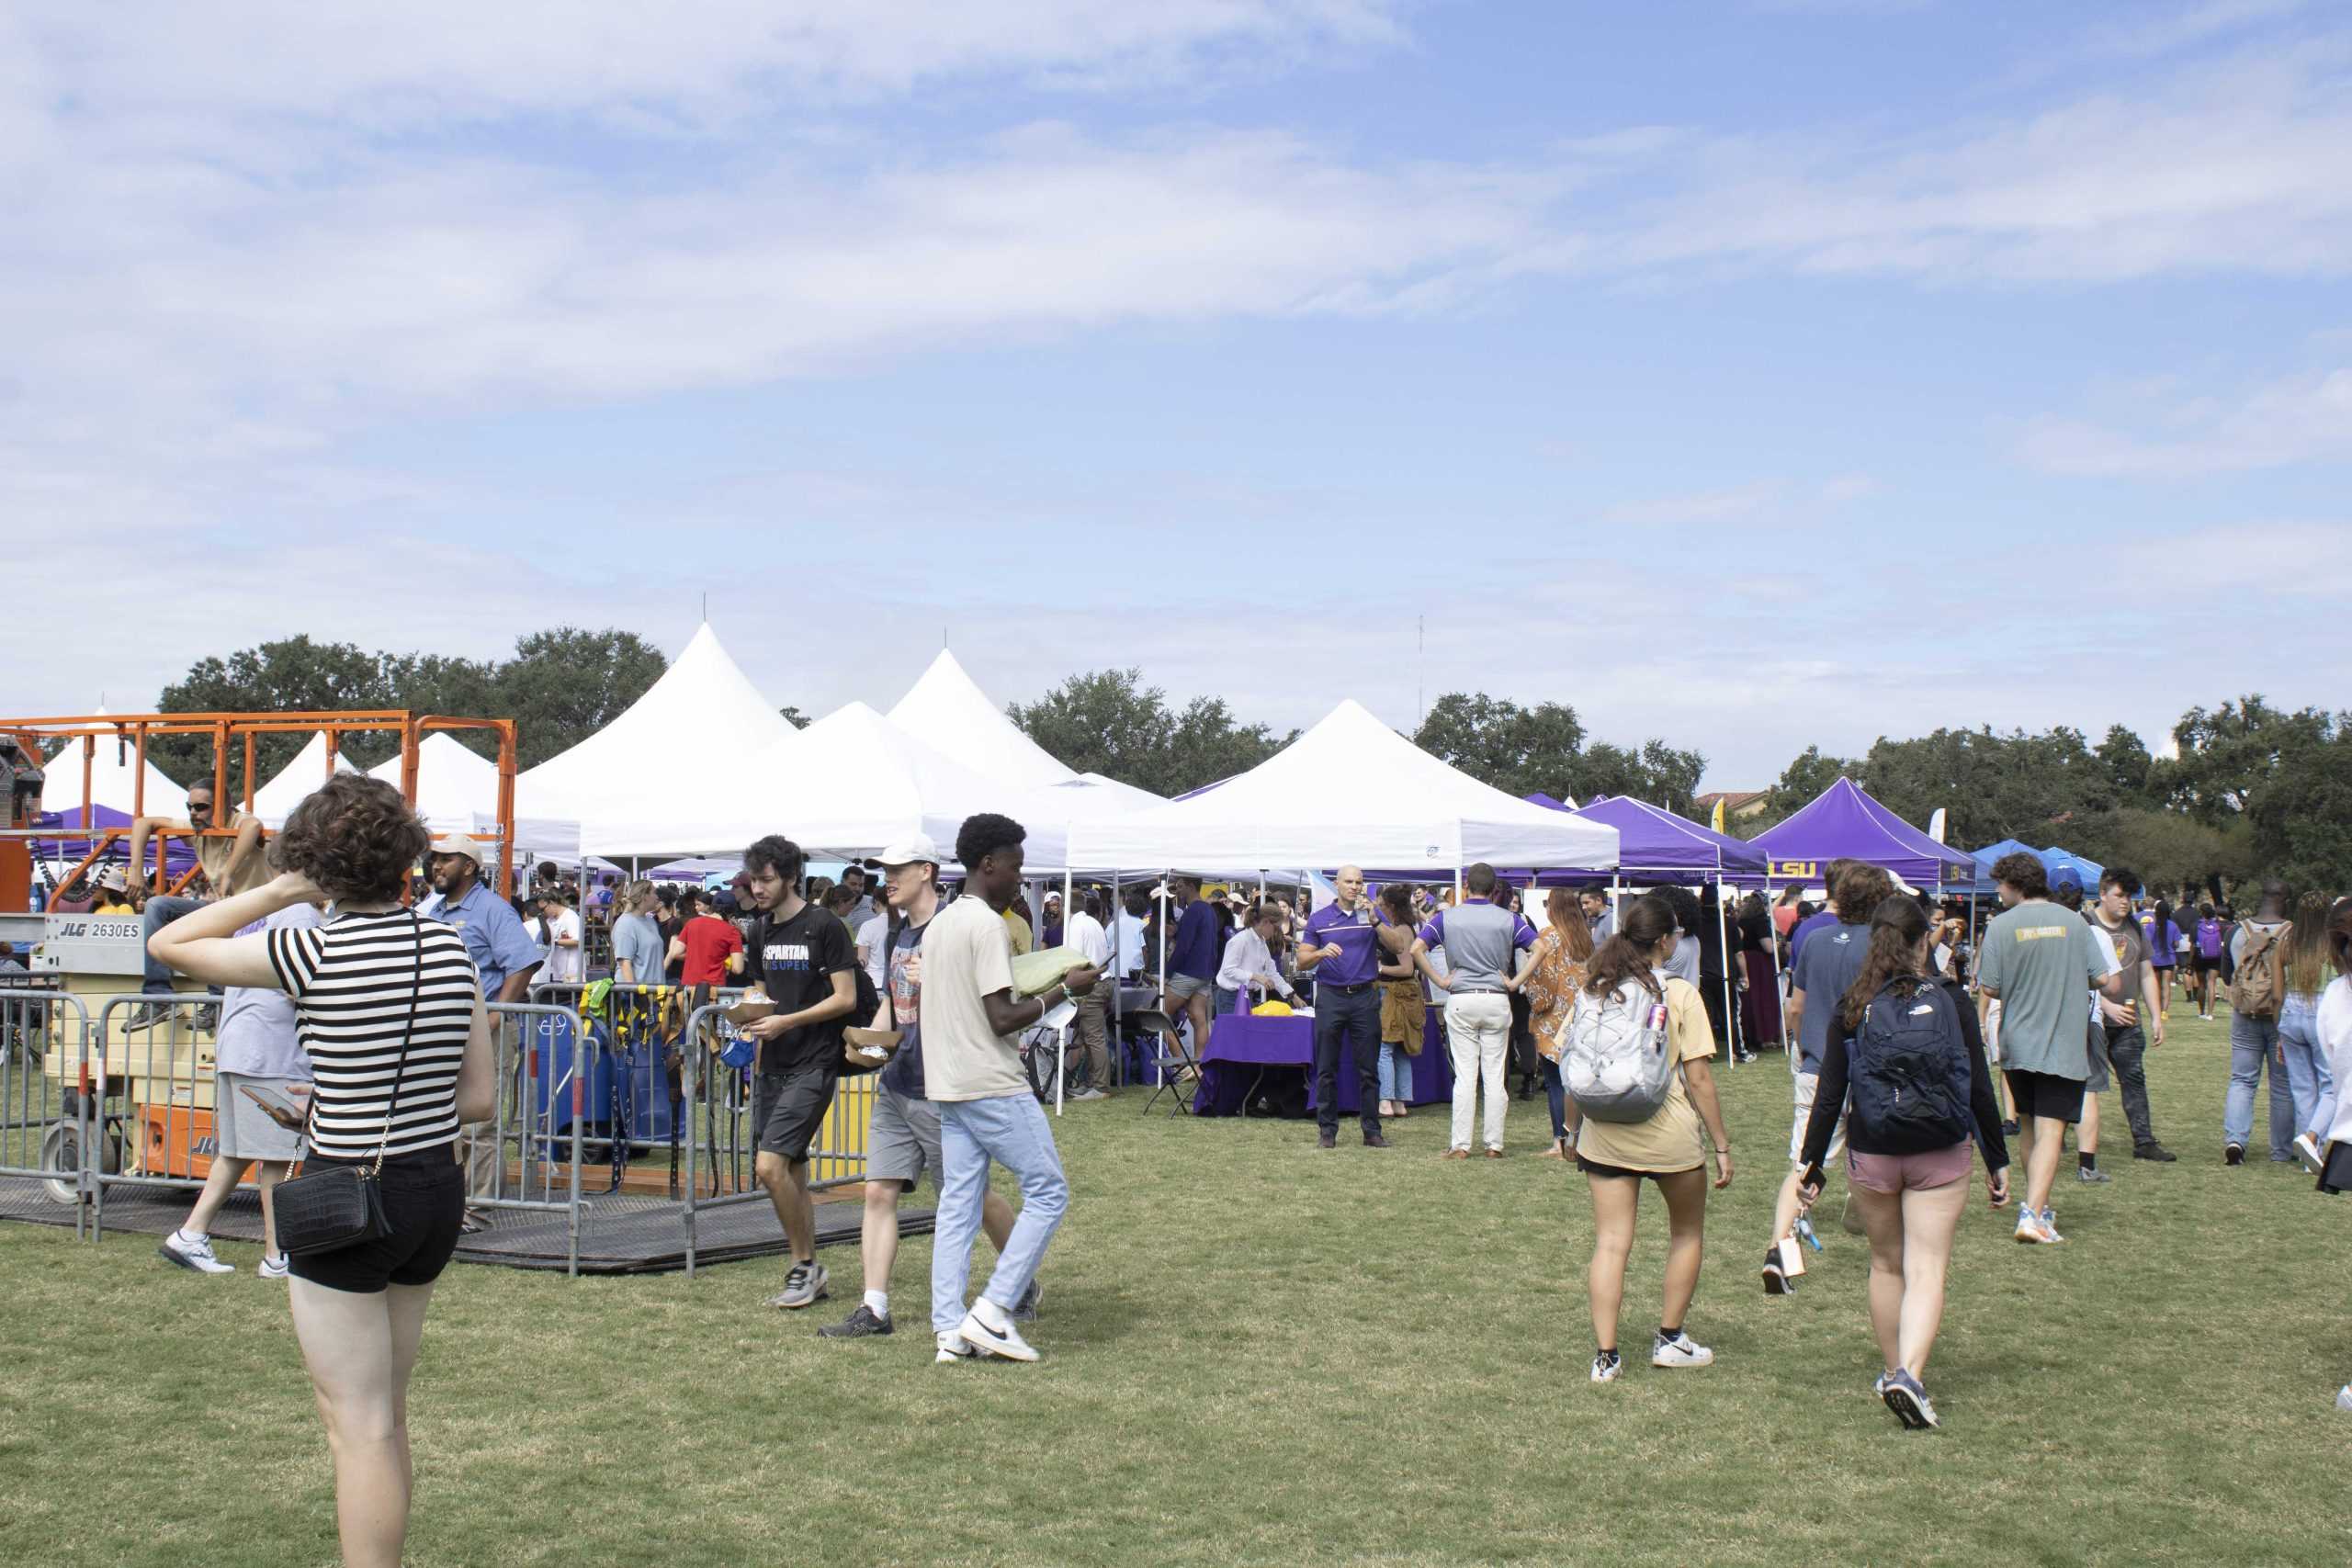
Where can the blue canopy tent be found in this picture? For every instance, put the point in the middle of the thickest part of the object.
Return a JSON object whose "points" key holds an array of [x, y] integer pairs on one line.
{"points": [[1985, 858], [2087, 872]]}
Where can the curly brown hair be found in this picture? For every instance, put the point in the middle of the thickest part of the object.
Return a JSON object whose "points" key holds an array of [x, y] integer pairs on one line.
{"points": [[1859, 890], [354, 836]]}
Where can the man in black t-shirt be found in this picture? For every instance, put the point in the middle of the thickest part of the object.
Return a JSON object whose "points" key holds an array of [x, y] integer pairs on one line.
{"points": [[802, 960]]}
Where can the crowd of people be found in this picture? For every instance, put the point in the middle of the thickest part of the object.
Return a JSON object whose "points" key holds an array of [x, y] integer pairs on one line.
{"points": [[354, 1035]]}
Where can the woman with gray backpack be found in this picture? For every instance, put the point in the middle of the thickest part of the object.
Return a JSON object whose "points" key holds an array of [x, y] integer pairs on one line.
{"points": [[1904, 1050], [1634, 1060]]}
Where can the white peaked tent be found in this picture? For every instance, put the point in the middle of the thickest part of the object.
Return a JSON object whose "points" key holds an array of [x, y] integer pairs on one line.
{"points": [[638, 785], [457, 792], [114, 773], [1349, 791], [848, 785], [947, 710], [275, 801]]}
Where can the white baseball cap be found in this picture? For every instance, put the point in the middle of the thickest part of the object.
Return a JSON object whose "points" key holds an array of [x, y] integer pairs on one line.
{"points": [[906, 851]]}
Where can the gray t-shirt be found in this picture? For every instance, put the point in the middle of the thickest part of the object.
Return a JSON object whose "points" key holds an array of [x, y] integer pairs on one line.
{"points": [[260, 1036], [2042, 959], [1479, 940], [1832, 957], [637, 939], [1684, 965], [2131, 956]]}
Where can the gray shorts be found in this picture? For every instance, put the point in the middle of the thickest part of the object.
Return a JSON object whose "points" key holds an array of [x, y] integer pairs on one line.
{"points": [[2096, 1082], [1184, 987], [244, 1130], [902, 1141]]}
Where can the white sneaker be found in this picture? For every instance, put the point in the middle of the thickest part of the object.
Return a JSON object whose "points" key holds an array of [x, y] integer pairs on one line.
{"points": [[273, 1267], [1005, 1342], [1089, 1094], [193, 1252], [2344, 1399], [2307, 1149], [1680, 1351], [1606, 1365], [953, 1347]]}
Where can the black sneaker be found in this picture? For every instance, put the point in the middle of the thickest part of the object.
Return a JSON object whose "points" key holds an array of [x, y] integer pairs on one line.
{"points": [[1374, 1141], [2156, 1152], [857, 1325], [146, 1015], [1776, 1281], [2232, 1154], [1025, 1309]]}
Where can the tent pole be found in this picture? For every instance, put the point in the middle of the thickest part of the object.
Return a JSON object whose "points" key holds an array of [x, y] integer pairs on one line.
{"points": [[1159, 1074], [1722, 937]]}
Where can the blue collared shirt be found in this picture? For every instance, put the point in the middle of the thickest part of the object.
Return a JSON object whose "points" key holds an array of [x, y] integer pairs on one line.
{"points": [[494, 934]]}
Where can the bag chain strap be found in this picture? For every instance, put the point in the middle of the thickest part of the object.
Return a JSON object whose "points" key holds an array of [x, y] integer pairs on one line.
{"points": [[416, 993]]}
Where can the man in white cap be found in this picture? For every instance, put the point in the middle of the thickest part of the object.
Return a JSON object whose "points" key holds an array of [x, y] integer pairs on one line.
{"points": [[902, 1142], [505, 957]]}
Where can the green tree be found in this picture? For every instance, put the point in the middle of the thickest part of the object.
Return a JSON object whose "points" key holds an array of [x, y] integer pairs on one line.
{"points": [[2227, 755], [1109, 722], [1804, 779], [1519, 750], [1990, 786], [2129, 770], [2302, 817], [564, 685], [293, 674]]}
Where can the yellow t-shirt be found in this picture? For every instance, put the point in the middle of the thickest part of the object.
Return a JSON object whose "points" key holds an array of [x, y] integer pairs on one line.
{"points": [[1673, 1139], [110, 905], [1024, 938]]}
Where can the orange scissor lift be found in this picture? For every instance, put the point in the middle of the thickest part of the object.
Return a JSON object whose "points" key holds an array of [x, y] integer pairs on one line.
{"points": [[157, 1091]]}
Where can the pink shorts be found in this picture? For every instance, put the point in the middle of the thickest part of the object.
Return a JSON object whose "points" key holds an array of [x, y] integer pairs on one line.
{"points": [[1909, 1173]]}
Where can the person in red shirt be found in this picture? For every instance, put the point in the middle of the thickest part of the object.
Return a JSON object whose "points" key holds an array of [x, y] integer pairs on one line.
{"points": [[712, 949]]}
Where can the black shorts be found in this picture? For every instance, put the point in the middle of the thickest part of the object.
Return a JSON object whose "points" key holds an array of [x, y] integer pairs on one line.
{"points": [[1594, 1167], [2041, 1094], [2206, 965], [424, 1199], [788, 1110]]}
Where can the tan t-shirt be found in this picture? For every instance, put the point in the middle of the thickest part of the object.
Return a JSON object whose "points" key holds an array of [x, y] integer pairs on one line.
{"points": [[213, 855], [966, 954], [1673, 1139]]}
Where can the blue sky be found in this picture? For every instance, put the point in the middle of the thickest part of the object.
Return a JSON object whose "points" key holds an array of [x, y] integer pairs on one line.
{"points": [[1756, 375]]}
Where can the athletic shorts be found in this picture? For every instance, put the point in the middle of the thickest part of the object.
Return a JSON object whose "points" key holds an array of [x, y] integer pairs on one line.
{"points": [[1184, 987], [2206, 965], [244, 1130], [2096, 1083], [1909, 1173], [425, 1200], [1594, 1167], [904, 1140], [2043, 1094], [788, 1110], [1807, 1085]]}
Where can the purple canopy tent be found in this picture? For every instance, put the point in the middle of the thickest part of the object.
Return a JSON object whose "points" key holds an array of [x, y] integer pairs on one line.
{"points": [[179, 856], [1844, 823]]}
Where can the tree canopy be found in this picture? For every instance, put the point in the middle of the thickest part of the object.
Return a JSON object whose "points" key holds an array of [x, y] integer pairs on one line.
{"points": [[1523, 750]]}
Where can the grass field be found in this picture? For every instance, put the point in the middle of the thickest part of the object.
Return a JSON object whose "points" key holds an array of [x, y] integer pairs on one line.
{"points": [[1258, 1352]]}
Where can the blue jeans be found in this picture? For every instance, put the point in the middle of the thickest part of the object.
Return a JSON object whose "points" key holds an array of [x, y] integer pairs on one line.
{"points": [[1396, 1073], [1557, 1093], [1011, 1130], [159, 913], [2307, 1079], [2254, 1043]]}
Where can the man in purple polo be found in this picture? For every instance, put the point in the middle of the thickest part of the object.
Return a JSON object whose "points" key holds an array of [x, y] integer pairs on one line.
{"points": [[1340, 949]]}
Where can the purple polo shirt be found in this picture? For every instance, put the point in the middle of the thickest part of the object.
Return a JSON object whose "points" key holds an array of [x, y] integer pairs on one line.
{"points": [[1358, 962], [1192, 949]]}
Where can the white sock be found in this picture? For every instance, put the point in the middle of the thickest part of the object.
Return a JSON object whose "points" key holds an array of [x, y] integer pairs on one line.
{"points": [[990, 1313], [878, 1302]]}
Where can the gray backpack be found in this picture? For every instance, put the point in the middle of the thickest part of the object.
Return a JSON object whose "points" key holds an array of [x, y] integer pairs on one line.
{"points": [[1615, 1060]]}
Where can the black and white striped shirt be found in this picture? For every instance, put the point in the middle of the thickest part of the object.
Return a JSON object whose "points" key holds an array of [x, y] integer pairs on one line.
{"points": [[351, 981]]}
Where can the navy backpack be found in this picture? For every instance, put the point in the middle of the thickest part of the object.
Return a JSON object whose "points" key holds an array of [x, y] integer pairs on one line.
{"points": [[1908, 1071]]}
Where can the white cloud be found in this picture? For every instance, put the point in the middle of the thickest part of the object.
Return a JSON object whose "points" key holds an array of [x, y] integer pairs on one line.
{"points": [[2261, 561], [1733, 503], [2301, 419]]}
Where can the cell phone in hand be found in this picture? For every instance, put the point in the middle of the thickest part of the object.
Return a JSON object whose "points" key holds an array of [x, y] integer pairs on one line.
{"points": [[287, 1111]]}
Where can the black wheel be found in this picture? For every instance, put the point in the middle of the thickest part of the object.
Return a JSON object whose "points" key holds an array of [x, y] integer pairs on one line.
{"points": [[60, 1151]]}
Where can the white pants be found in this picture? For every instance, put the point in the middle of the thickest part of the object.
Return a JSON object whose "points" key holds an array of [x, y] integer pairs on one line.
{"points": [[1479, 1024]]}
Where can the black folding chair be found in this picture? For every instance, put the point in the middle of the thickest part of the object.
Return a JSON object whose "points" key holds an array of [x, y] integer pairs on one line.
{"points": [[1172, 1056]]}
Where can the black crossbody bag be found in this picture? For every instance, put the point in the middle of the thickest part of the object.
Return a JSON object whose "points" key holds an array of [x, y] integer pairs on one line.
{"points": [[324, 1210]]}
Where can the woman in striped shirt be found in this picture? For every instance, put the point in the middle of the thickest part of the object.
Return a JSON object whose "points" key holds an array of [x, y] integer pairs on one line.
{"points": [[391, 1016]]}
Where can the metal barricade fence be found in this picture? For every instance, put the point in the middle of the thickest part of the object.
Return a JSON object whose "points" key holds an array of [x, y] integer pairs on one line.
{"points": [[50, 1096], [541, 1061], [155, 1051]]}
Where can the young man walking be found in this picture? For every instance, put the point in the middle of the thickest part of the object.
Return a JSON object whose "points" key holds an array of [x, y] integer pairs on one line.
{"points": [[2128, 1027], [2038, 962], [2254, 950], [800, 957], [1341, 948], [1482, 944], [902, 1143], [971, 1020]]}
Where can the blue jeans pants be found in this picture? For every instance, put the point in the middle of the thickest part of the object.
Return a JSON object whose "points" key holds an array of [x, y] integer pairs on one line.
{"points": [[2308, 1082], [2253, 1049], [1396, 1073], [159, 913], [1011, 1131], [1557, 1093]]}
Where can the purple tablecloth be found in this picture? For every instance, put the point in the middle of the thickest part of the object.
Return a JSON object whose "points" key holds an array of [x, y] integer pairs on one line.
{"points": [[1241, 1047]]}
